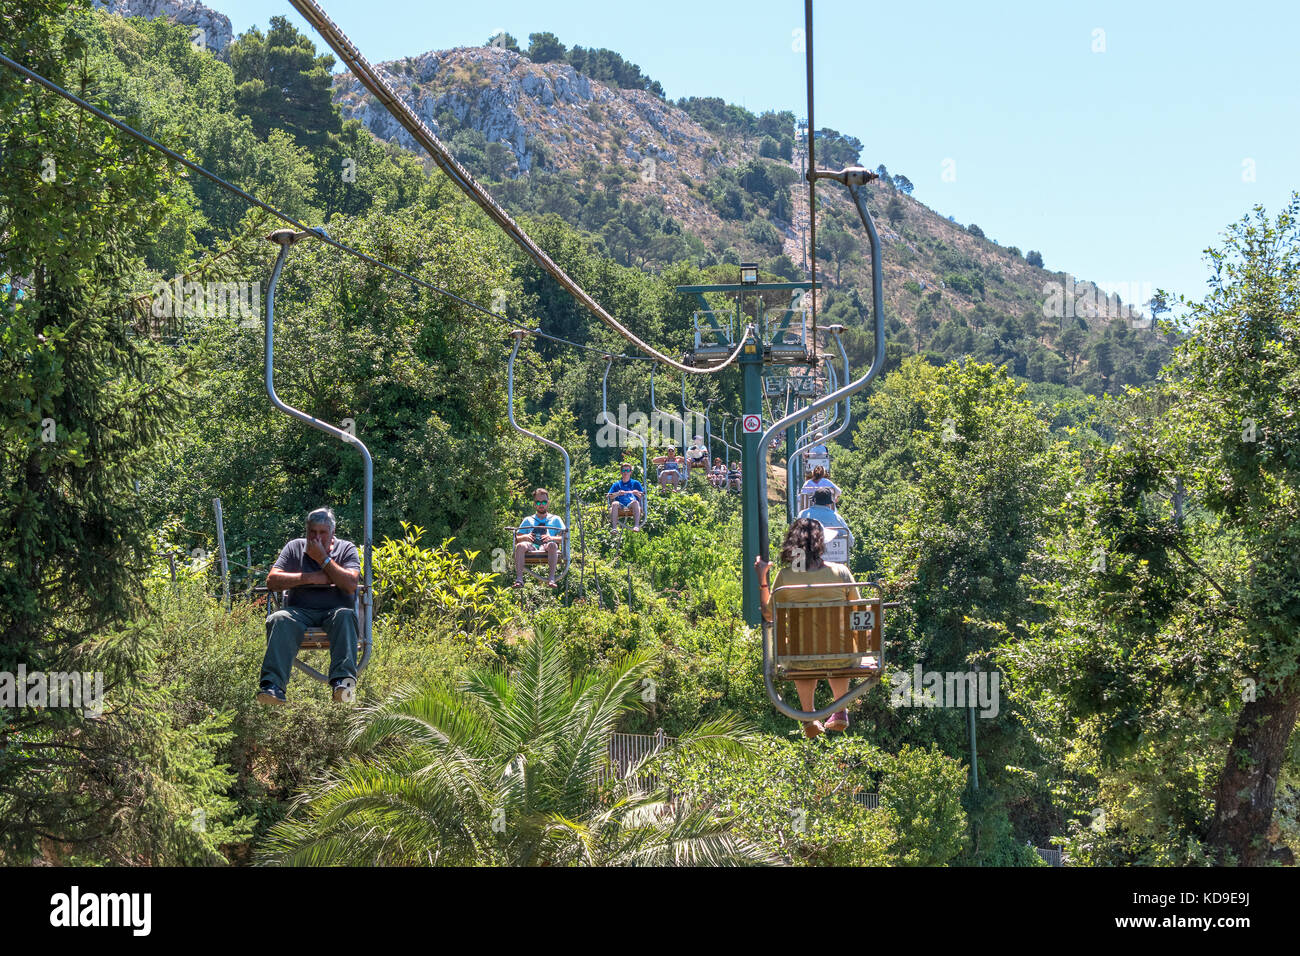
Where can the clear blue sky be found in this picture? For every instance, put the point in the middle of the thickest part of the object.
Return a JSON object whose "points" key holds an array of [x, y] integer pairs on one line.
{"points": [[1119, 166]]}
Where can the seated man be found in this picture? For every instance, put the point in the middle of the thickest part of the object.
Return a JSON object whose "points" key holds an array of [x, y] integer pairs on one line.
{"points": [[319, 576], [697, 456], [671, 467], [733, 476], [625, 493], [540, 533]]}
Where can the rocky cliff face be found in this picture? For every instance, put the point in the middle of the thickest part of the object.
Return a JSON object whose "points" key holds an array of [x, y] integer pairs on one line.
{"points": [[547, 115], [216, 29]]}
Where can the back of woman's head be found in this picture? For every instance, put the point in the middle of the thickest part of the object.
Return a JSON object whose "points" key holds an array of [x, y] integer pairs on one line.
{"points": [[819, 473], [804, 535]]}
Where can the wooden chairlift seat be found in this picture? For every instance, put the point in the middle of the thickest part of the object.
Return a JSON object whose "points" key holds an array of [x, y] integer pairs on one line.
{"points": [[315, 638], [827, 632], [535, 555]]}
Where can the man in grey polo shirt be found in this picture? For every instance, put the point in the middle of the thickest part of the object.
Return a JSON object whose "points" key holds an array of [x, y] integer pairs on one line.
{"points": [[319, 576]]}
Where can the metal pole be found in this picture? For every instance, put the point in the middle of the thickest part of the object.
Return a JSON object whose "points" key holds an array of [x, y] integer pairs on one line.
{"points": [[974, 761], [686, 427], [812, 162], [669, 415], [221, 552], [791, 437], [753, 463], [828, 433], [708, 437]]}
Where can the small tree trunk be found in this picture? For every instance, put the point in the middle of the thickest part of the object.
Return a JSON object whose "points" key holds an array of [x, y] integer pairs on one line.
{"points": [[1243, 806]]}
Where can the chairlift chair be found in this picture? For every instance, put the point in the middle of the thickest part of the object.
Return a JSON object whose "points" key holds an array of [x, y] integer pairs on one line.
{"points": [[315, 638], [535, 556], [607, 418], [796, 635], [837, 636]]}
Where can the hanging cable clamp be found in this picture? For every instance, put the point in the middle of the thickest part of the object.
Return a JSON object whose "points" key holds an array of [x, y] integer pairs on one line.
{"points": [[850, 176], [287, 237]]}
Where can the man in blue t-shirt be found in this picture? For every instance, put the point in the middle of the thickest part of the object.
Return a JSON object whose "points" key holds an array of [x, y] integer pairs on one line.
{"points": [[625, 493], [542, 533], [318, 574]]}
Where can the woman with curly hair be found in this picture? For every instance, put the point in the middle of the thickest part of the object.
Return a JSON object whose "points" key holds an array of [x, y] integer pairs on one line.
{"points": [[801, 555]]}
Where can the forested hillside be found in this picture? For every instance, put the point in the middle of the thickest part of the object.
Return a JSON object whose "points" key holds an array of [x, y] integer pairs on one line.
{"points": [[1124, 559]]}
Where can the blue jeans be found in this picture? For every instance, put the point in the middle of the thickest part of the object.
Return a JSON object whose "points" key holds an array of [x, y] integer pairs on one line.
{"points": [[285, 629]]}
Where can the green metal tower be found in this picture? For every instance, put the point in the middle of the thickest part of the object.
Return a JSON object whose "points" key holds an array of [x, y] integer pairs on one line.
{"points": [[761, 349]]}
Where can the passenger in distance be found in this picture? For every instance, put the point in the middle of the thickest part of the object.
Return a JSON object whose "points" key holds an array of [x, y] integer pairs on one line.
{"points": [[626, 493], [820, 480], [539, 533]]}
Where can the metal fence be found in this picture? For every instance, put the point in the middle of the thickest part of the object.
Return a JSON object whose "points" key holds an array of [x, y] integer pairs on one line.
{"points": [[1053, 855], [626, 749]]}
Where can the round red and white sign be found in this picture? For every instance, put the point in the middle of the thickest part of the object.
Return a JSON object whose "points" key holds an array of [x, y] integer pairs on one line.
{"points": [[752, 424]]}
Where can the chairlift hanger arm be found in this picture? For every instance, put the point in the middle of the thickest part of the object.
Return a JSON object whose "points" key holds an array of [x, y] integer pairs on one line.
{"points": [[609, 420], [655, 408], [840, 428]]}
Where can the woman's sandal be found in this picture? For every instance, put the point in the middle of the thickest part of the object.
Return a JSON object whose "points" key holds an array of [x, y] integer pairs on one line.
{"points": [[839, 721], [812, 728]]}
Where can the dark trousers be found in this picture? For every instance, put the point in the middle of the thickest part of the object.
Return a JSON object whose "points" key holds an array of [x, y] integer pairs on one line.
{"points": [[285, 629]]}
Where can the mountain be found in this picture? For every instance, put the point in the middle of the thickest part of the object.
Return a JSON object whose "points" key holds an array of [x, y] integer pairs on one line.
{"points": [[659, 182]]}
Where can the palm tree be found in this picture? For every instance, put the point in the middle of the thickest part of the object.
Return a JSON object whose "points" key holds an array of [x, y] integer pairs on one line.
{"points": [[510, 771]]}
